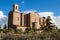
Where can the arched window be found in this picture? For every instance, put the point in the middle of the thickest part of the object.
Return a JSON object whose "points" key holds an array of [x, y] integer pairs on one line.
{"points": [[18, 18], [16, 7]]}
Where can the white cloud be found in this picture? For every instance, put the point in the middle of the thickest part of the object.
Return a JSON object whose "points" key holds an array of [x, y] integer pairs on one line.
{"points": [[57, 21], [1, 15], [3, 19], [22, 2], [45, 14], [30, 11]]}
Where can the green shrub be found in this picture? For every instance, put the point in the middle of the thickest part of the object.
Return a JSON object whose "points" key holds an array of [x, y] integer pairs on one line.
{"points": [[28, 30]]}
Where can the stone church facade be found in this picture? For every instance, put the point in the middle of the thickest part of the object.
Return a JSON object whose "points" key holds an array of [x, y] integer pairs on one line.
{"points": [[18, 20]]}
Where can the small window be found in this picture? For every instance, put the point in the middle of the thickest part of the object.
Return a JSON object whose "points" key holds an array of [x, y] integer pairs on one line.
{"points": [[16, 7], [35, 19], [18, 18]]}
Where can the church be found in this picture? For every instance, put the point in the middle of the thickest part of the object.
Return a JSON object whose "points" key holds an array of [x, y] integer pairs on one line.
{"points": [[18, 20]]}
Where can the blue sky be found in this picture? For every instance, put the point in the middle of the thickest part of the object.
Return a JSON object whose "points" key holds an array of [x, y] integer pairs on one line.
{"points": [[39, 5]]}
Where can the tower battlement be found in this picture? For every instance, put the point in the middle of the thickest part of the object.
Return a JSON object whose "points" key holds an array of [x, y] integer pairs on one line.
{"points": [[15, 7]]}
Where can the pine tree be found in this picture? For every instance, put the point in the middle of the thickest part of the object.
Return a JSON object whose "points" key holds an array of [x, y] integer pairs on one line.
{"points": [[5, 26], [0, 26], [49, 24]]}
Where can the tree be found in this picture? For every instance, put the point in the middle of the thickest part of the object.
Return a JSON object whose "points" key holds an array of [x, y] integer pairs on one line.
{"points": [[49, 25], [0, 26], [5, 27], [48, 21], [28, 30]]}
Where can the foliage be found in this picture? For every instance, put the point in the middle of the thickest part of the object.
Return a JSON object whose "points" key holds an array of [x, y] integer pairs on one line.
{"points": [[41, 36], [5, 27], [18, 31], [28, 30], [34, 29], [8, 30], [0, 26], [58, 30], [49, 25]]}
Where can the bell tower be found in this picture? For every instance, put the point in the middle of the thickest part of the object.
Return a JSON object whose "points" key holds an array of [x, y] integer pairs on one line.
{"points": [[15, 7], [14, 17]]}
